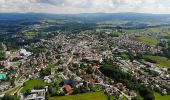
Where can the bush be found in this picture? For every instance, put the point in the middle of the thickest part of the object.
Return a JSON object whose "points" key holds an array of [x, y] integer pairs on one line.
{"points": [[2, 56]]}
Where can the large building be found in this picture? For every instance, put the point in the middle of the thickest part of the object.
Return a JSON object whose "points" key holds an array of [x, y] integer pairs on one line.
{"points": [[2, 76]]}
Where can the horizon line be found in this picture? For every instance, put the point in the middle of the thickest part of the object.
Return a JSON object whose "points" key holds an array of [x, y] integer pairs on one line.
{"points": [[83, 13]]}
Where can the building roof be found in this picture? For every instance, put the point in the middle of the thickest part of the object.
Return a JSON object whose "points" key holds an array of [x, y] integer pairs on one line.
{"points": [[41, 90], [94, 67], [68, 88], [2, 76], [25, 52]]}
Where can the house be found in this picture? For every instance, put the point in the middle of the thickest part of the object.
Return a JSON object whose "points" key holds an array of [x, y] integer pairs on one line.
{"points": [[68, 89], [94, 68], [42, 66], [24, 52], [35, 95], [2, 76], [164, 91], [158, 70], [34, 76], [5, 86], [66, 80], [132, 93], [53, 71], [47, 79], [120, 86]]}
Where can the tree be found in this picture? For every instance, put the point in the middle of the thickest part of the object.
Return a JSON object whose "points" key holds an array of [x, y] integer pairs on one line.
{"points": [[167, 50], [139, 56], [61, 83], [9, 97], [149, 97], [131, 56], [89, 71], [28, 92], [2, 55]]}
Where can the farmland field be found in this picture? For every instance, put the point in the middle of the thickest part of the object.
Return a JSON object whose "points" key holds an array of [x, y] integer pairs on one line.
{"points": [[160, 61], [148, 40]]}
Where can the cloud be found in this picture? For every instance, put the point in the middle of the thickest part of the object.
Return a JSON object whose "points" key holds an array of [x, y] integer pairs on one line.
{"points": [[77, 3], [84, 6]]}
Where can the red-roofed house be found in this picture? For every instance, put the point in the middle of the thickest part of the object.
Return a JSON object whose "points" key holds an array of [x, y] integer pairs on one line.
{"points": [[68, 89]]}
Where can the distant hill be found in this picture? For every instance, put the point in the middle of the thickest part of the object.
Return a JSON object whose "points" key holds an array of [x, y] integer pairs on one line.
{"points": [[86, 16], [22, 16], [89, 16], [127, 16]]}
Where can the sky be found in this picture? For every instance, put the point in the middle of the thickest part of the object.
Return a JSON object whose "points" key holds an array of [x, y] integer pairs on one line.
{"points": [[85, 6]]}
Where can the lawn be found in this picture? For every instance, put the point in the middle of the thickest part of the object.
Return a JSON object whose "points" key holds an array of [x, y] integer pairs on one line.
{"points": [[113, 98], [160, 61], [148, 40], [85, 96], [160, 97], [33, 83]]}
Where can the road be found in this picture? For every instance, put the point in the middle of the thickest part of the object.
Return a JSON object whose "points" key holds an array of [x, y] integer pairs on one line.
{"points": [[16, 86]]}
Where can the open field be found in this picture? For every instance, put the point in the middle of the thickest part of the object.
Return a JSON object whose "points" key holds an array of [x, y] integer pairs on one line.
{"points": [[148, 40], [33, 83], [160, 61], [85, 96], [160, 97], [159, 30], [163, 30]]}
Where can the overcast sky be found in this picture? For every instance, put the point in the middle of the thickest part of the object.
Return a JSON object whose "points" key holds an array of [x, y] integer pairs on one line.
{"points": [[85, 6]]}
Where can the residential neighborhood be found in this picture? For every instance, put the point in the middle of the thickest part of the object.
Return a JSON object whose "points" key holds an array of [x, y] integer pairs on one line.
{"points": [[68, 64]]}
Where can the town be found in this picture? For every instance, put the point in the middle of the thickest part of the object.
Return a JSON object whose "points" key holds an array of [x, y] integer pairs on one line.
{"points": [[69, 64]]}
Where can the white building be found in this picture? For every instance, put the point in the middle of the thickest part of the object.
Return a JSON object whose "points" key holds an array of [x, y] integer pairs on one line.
{"points": [[24, 52]]}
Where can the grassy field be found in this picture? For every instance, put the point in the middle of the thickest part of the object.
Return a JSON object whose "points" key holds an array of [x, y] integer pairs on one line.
{"points": [[160, 97], [164, 30], [85, 96], [32, 83], [160, 30], [112, 98], [148, 40], [160, 61]]}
